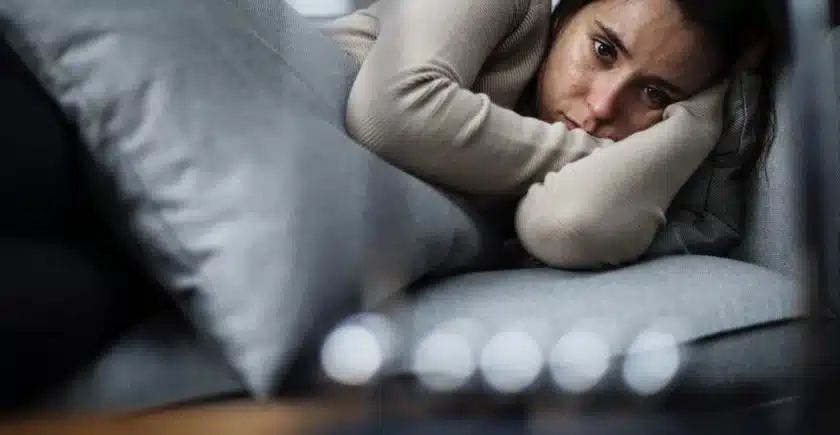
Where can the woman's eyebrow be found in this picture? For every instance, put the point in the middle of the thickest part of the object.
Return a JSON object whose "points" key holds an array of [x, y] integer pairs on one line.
{"points": [[614, 39]]}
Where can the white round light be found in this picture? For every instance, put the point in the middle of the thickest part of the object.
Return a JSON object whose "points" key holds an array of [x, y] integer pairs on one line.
{"points": [[443, 361], [352, 355], [652, 362], [579, 360], [511, 361], [383, 329]]}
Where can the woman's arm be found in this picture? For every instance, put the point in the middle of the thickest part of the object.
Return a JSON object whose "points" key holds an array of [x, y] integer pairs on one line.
{"points": [[411, 102], [355, 33], [604, 210]]}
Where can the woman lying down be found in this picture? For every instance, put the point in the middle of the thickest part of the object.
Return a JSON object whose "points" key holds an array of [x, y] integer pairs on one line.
{"points": [[594, 114]]}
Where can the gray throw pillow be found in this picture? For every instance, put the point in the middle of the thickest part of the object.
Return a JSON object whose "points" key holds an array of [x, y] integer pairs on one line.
{"points": [[219, 126], [707, 215]]}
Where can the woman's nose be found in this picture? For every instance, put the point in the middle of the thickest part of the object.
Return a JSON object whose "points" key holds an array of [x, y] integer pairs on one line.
{"points": [[603, 98]]}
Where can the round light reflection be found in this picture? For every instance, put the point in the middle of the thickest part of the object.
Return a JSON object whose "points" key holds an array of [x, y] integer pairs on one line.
{"points": [[652, 362], [579, 360], [352, 355], [443, 361], [511, 361]]}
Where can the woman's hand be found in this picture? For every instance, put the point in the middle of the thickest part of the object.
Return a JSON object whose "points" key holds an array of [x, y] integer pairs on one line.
{"points": [[705, 109], [604, 209]]}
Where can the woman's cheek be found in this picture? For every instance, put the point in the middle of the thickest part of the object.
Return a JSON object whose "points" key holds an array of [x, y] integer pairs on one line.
{"points": [[581, 64], [572, 79], [634, 122], [654, 117], [649, 119]]}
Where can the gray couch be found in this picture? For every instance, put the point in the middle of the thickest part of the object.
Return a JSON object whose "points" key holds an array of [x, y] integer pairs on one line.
{"points": [[742, 314]]}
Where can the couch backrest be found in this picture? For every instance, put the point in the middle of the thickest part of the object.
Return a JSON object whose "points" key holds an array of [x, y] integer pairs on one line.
{"points": [[775, 218], [773, 238]]}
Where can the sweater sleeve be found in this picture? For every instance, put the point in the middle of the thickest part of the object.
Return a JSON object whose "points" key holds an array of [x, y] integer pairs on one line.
{"points": [[605, 209], [355, 33], [411, 102]]}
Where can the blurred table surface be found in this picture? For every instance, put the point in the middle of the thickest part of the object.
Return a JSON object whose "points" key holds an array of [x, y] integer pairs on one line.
{"points": [[354, 418], [236, 418]]}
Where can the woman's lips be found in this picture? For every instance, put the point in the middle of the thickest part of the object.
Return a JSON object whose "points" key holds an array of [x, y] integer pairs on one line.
{"points": [[571, 125]]}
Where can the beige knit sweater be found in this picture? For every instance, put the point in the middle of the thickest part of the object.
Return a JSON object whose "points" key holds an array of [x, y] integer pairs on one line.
{"points": [[434, 96]]}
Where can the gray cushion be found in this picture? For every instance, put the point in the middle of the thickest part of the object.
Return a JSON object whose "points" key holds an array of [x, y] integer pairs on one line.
{"points": [[707, 214], [706, 296], [713, 294], [159, 363], [221, 125]]}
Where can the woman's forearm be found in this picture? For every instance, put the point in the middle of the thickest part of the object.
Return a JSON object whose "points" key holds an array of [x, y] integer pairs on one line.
{"points": [[473, 147], [412, 104], [605, 209]]}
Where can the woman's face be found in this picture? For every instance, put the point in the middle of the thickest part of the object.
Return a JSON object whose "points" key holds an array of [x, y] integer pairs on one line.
{"points": [[617, 64]]}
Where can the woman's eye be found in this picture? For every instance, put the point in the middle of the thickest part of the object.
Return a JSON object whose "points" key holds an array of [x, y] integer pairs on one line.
{"points": [[605, 51], [656, 98]]}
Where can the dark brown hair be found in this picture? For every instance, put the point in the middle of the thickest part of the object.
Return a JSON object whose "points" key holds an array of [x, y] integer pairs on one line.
{"points": [[733, 28]]}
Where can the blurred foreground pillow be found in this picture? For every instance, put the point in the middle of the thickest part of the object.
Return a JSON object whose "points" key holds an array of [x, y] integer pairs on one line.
{"points": [[216, 132]]}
